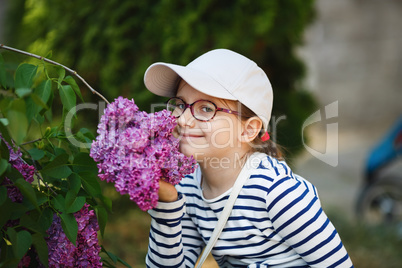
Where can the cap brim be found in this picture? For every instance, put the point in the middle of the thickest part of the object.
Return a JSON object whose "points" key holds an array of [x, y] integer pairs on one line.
{"points": [[162, 78]]}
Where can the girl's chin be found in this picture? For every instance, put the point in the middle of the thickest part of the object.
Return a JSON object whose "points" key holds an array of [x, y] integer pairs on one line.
{"points": [[189, 150], [184, 149]]}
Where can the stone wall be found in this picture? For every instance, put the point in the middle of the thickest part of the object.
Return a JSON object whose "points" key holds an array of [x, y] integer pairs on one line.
{"points": [[353, 52]]}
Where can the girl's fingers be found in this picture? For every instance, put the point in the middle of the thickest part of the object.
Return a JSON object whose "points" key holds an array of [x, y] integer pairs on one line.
{"points": [[167, 192]]}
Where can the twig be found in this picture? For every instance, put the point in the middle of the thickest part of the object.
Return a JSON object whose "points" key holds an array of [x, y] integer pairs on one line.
{"points": [[58, 64], [28, 142], [40, 178]]}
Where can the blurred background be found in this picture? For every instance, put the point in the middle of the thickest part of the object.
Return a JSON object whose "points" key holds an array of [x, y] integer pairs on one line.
{"points": [[316, 53]]}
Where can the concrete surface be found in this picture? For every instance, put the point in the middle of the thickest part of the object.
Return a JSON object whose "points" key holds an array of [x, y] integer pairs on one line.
{"points": [[354, 56]]}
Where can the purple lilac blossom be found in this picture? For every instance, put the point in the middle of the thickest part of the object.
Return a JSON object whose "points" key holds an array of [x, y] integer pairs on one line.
{"points": [[134, 150], [62, 252], [27, 172]]}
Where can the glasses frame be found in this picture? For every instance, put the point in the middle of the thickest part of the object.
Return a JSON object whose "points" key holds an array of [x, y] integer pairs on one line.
{"points": [[217, 109]]}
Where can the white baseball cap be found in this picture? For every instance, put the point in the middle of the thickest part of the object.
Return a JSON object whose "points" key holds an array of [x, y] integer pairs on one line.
{"points": [[219, 73]]}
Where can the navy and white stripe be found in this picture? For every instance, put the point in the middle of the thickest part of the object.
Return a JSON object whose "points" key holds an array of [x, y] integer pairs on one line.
{"points": [[277, 221]]}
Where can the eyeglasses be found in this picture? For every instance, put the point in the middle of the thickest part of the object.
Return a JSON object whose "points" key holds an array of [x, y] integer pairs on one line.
{"points": [[202, 110]]}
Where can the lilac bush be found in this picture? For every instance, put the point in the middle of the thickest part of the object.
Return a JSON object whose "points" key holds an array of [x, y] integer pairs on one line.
{"points": [[27, 172], [134, 150], [62, 252]]}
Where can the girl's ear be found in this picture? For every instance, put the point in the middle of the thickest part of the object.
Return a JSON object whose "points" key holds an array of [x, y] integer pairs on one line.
{"points": [[251, 129]]}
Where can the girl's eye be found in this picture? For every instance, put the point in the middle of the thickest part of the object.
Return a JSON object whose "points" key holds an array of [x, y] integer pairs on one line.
{"points": [[180, 106], [207, 109]]}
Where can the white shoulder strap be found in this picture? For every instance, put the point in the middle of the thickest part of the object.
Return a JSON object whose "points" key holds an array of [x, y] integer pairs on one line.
{"points": [[241, 179]]}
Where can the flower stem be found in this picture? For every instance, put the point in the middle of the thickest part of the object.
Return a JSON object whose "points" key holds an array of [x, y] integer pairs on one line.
{"points": [[58, 64]]}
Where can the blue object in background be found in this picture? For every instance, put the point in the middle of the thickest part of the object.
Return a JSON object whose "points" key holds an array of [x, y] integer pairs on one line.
{"points": [[388, 149]]}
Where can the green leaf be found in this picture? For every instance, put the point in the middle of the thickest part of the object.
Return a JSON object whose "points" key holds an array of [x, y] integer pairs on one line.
{"points": [[107, 202], [5, 210], [18, 122], [3, 77], [43, 91], [71, 81], [20, 241], [4, 121], [87, 133], [37, 221], [58, 167], [90, 181], [27, 191], [71, 195], [30, 223], [41, 248], [110, 255], [13, 174], [102, 216], [58, 150], [40, 104], [4, 131], [107, 264], [76, 205], [74, 182], [30, 107], [23, 92], [3, 195], [46, 218], [83, 162], [36, 154], [37, 101], [4, 151], [3, 166], [24, 75], [49, 55], [114, 258], [49, 114], [62, 73], [70, 226], [16, 209], [59, 203], [68, 98], [123, 262]]}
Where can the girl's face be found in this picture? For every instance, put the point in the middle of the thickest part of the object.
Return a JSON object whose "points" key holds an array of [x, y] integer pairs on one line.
{"points": [[209, 140]]}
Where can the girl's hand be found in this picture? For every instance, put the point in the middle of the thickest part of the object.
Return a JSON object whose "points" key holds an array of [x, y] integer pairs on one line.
{"points": [[167, 192]]}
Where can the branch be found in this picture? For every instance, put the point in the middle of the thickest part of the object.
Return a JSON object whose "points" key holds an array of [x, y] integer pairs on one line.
{"points": [[28, 142], [58, 64]]}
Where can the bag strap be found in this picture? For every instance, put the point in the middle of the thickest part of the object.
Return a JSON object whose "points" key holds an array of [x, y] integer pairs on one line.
{"points": [[240, 181]]}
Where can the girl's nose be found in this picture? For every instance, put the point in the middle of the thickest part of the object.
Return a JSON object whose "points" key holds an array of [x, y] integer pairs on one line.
{"points": [[186, 119]]}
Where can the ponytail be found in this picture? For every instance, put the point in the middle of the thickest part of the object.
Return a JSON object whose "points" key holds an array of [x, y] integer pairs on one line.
{"points": [[268, 147]]}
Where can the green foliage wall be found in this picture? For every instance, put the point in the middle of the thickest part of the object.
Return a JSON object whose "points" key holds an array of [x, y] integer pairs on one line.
{"points": [[112, 42]]}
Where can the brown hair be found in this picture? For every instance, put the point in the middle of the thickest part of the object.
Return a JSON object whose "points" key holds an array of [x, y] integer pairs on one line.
{"points": [[268, 147]]}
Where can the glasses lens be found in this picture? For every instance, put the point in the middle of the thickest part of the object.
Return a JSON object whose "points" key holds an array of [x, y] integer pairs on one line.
{"points": [[176, 106], [204, 110]]}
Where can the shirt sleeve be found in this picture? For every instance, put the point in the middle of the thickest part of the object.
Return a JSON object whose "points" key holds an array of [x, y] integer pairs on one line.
{"points": [[297, 216], [173, 239]]}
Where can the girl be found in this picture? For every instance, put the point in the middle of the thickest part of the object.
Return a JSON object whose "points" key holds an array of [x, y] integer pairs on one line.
{"points": [[223, 102]]}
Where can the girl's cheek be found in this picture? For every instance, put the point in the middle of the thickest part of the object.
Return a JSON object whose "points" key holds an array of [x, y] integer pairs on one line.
{"points": [[175, 132]]}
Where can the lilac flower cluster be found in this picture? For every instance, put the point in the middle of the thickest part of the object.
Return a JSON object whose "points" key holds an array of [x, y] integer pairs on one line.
{"points": [[134, 150], [62, 252], [27, 172]]}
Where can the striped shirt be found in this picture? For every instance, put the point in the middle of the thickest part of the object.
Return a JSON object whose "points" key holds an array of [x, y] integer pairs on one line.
{"points": [[276, 221]]}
